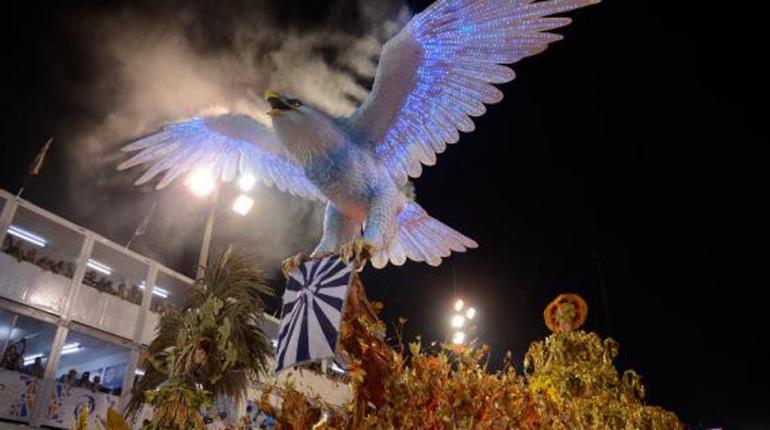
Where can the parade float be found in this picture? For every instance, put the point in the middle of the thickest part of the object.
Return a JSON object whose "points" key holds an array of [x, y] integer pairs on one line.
{"points": [[568, 381], [432, 77]]}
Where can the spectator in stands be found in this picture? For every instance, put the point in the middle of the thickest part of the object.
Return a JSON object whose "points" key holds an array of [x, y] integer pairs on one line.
{"points": [[122, 291], [7, 242], [90, 278], [13, 248], [58, 268], [30, 256], [46, 263], [13, 355], [158, 305], [85, 380], [107, 285], [35, 369], [96, 385], [135, 295], [71, 378], [69, 270], [16, 249]]}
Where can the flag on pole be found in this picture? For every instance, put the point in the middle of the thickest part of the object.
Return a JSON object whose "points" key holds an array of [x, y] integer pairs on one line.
{"points": [[37, 164], [312, 311], [143, 225]]}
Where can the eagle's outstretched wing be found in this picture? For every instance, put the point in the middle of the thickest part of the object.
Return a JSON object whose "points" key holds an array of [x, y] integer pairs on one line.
{"points": [[226, 144], [439, 70]]}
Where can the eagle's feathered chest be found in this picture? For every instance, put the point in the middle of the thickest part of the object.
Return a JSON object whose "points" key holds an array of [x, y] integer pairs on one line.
{"points": [[330, 168], [345, 175], [343, 170]]}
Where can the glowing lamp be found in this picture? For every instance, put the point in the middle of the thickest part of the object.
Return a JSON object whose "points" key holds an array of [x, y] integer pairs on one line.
{"points": [[246, 182], [99, 267], [156, 290], [459, 305], [27, 236], [458, 321], [243, 204], [31, 358], [201, 182], [70, 348]]}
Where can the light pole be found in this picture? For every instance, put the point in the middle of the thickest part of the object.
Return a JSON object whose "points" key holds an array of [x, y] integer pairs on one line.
{"points": [[203, 256], [202, 183]]}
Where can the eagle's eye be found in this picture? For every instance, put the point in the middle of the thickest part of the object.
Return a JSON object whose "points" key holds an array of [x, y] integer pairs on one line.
{"points": [[294, 102]]}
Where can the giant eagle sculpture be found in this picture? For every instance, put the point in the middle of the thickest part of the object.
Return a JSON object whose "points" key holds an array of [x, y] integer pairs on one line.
{"points": [[433, 77]]}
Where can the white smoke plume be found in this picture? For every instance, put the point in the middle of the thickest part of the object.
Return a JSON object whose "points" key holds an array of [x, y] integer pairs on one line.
{"points": [[155, 64]]}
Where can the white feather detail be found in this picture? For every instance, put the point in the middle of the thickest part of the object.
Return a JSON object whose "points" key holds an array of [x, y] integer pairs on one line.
{"points": [[419, 237], [439, 70], [228, 145]]}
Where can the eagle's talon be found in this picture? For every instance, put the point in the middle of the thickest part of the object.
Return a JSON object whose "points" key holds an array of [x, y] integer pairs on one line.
{"points": [[346, 252], [358, 251], [290, 264], [364, 250]]}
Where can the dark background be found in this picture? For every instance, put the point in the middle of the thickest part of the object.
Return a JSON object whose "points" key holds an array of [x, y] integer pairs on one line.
{"points": [[632, 145]]}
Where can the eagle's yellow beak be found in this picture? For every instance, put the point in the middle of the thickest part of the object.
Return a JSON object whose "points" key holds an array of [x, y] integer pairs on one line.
{"points": [[270, 94], [277, 104]]}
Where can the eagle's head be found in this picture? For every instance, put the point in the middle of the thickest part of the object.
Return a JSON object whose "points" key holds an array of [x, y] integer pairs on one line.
{"points": [[281, 105], [304, 129]]}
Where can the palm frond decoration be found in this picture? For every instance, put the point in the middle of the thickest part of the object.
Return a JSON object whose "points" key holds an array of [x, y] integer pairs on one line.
{"points": [[215, 340]]}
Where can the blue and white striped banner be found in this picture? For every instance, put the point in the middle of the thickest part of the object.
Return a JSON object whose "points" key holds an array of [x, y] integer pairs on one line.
{"points": [[312, 311]]}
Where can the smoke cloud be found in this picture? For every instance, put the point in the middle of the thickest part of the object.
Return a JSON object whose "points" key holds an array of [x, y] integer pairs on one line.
{"points": [[154, 63]]}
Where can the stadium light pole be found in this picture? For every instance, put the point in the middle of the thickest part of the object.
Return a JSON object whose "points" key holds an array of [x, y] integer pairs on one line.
{"points": [[462, 322], [202, 183], [203, 256]]}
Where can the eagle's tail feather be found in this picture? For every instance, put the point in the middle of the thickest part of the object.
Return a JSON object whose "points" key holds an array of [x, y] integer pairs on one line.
{"points": [[420, 237]]}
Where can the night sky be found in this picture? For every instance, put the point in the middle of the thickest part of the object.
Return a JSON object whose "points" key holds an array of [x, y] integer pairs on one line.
{"points": [[626, 152]]}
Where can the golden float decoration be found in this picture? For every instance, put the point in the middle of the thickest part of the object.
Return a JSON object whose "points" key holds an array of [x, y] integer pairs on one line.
{"points": [[569, 382], [566, 312]]}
